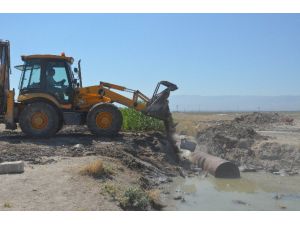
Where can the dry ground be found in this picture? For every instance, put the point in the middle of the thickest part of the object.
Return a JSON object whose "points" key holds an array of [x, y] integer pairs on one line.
{"points": [[59, 186], [52, 179]]}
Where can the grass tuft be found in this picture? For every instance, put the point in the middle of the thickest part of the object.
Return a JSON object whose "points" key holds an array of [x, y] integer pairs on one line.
{"points": [[7, 205], [155, 199], [136, 121], [97, 170], [111, 189], [134, 198]]}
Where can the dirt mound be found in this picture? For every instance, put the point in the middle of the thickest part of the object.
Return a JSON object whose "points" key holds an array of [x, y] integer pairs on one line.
{"points": [[231, 141], [242, 145], [263, 119], [259, 118], [275, 157]]}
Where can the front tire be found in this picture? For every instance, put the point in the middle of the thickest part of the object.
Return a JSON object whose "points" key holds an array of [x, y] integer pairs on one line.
{"points": [[39, 120], [104, 119]]}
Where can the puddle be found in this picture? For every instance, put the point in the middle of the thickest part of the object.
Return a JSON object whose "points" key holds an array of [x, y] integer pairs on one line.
{"points": [[254, 191]]}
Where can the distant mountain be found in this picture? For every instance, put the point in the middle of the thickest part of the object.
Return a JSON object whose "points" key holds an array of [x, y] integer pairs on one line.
{"points": [[234, 103]]}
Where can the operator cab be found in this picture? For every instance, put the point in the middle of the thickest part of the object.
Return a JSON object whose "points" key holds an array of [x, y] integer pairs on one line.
{"points": [[50, 74]]}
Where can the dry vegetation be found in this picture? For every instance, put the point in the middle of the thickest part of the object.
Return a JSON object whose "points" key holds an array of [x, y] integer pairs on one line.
{"points": [[97, 169], [133, 197], [191, 123], [7, 205]]}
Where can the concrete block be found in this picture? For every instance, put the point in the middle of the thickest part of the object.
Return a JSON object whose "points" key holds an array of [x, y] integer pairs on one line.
{"points": [[189, 145], [12, 167]]}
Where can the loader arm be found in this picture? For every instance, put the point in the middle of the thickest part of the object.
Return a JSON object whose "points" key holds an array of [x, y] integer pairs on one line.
{"points": [[138, 101], [157, 106]]}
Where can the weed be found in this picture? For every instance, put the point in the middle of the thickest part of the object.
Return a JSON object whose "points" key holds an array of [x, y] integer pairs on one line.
{"points": [[97, 169], [7, 205], [134, 198], [111, 190], [154, 198], [154, 195]]}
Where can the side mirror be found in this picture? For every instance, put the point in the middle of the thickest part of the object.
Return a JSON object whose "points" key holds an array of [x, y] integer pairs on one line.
{"points": [[75, 70]]}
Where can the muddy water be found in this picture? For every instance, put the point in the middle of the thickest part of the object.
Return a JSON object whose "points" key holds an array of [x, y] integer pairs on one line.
{"points": [[254, 191]]}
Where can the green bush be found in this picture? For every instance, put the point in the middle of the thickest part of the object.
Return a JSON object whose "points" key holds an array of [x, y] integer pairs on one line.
{"points": [[135, 199], [136, 121]]}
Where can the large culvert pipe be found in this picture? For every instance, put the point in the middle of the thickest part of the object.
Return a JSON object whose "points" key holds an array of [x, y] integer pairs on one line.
{"points": [[216, 166]]}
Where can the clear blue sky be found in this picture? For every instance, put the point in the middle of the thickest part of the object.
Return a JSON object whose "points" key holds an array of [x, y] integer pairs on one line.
{"points": [[205, 54]]}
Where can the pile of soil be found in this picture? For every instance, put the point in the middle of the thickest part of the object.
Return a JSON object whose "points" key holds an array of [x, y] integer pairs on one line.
{"points": [[238, 142], [259, 118], [275, 157], [230, 140], [263, 119]]}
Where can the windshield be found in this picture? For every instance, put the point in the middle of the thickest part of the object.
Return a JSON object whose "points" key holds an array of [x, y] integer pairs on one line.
{"points": [[31, 77]]}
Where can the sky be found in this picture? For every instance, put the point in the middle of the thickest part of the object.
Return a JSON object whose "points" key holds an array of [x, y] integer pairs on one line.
{"points": [[204, 54]]}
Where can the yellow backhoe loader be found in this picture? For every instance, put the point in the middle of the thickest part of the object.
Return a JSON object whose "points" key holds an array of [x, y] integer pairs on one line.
{"points": [[51, 95]]}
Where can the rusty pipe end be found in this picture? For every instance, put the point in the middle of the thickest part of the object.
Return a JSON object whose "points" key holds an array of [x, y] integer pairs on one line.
{"points": [[216, 166], [227, 170]]}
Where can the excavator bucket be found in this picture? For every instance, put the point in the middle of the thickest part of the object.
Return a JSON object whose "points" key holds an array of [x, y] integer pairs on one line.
{"points": [[4, 74], [158, 105]]}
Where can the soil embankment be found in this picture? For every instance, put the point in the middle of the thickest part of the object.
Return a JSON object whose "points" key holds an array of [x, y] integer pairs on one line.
{"points": [[249, 142]]}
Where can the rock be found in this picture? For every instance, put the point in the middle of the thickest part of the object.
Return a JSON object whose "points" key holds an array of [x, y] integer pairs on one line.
{"points": [[189, 145], [283, 173], [245, 169], [196, 169], [283, 207], [78, 146], [239, 202], [277, 196], [291, 173], [183, 132], [178, 197], [185, 153], [12, 167]]}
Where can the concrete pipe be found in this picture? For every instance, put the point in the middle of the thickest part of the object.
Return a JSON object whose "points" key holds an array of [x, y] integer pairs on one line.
{"points": [[216, 166]]}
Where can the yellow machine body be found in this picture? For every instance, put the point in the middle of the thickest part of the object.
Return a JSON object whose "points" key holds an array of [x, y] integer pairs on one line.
{"points": [[42, 112]]}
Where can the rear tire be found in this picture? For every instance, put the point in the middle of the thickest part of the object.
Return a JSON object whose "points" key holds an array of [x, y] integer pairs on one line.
{"points": [[39, 120], [104, 120]]}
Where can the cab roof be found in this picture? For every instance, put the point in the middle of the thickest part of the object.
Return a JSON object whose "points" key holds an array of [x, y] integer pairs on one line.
{"points": [[47, 56]]}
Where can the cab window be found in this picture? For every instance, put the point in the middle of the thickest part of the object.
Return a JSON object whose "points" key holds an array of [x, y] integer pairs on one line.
{"points": [[31, 76]]}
